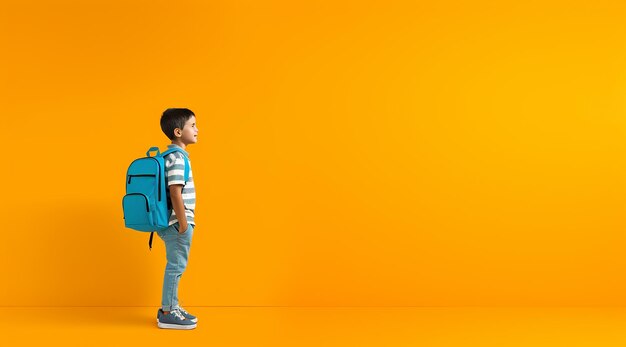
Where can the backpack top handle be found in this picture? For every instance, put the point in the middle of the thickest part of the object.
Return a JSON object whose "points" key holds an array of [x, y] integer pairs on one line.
{"points": [[153, 149]]}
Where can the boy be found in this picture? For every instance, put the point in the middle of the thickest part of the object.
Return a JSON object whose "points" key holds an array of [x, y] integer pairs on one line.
{"points": [[179, 125]]}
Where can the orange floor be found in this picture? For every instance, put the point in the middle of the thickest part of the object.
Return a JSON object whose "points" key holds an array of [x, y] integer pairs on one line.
{"points": [[271, 326]]}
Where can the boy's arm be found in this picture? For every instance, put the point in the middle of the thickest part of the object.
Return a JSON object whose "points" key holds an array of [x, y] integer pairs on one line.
{"points": [[176, 194]]}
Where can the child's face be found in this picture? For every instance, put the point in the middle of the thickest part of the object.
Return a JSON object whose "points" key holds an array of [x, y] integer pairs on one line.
{"points": [[189, 133]]}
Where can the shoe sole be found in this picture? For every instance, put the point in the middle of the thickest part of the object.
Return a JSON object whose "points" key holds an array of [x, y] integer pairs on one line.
{"points": [[195, 320], [176, 326]]}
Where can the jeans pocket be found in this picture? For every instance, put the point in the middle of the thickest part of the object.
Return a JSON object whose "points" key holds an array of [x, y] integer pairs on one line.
{"points": [[177, 228], [189, 227]]}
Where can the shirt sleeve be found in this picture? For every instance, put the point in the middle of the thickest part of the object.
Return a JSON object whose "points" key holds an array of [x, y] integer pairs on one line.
{"points": [[175, 169]]}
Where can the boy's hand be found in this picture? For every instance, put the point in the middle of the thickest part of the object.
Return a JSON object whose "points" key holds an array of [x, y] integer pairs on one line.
{"points": [[182, 228]]}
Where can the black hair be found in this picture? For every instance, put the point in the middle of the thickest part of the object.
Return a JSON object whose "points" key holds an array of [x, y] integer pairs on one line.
{"points": [[173, 118]]}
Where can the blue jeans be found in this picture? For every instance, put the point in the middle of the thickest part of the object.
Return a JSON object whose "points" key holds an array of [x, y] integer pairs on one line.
{"points": [[177, 252]]}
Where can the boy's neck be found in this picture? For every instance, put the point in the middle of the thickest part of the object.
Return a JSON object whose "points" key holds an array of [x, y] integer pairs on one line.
{"points": [[179, 143]]}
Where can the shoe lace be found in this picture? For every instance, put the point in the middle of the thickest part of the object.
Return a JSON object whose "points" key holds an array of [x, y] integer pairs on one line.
{"points": [[177, 314], [182, 310]]}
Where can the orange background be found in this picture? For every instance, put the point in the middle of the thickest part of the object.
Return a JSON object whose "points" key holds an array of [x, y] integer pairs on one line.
{"points": [[350, 153]]}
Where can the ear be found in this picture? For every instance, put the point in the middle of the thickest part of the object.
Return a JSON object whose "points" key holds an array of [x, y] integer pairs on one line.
{"points": [[178, 132]]}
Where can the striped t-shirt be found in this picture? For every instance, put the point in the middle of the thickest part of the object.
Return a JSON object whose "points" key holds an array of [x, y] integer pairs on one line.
{"points": [[175, 174]]}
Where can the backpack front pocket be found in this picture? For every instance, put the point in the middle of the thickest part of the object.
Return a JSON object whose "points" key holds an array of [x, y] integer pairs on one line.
{"points": [[137, 212]]}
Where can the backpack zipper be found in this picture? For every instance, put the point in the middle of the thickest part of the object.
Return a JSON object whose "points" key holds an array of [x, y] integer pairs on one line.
{"points": [[142, 175], [144, 197]]}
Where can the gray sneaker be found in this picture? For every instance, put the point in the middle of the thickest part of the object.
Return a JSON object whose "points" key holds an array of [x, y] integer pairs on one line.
{"points": [[188, 315], [174, 320]]}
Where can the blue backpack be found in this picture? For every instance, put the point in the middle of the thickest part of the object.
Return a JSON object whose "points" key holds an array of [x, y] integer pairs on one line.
{"points": [[145, 204]]}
